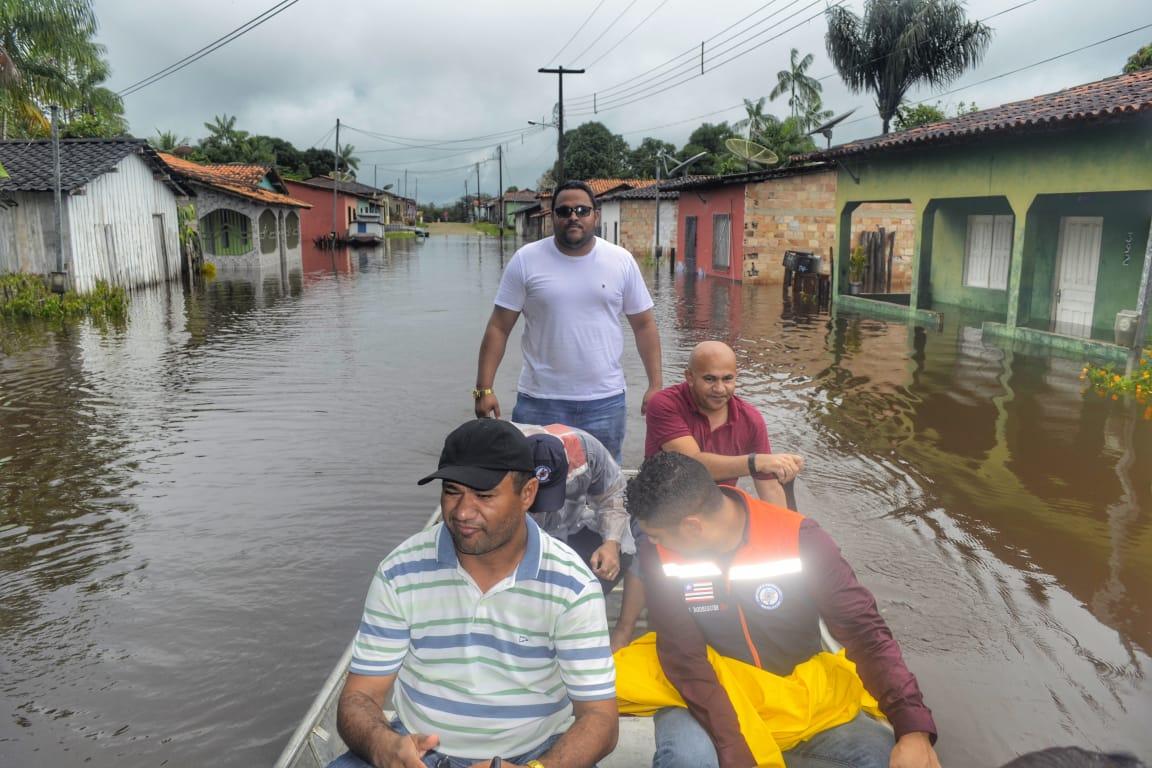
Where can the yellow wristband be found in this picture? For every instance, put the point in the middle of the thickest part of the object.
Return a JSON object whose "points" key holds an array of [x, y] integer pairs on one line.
{"points": [[533, 764], [479, 393]]}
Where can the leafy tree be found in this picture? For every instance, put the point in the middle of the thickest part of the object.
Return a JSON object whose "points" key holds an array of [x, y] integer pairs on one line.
{"points": [[166, 141], [642, 160], [785, 137], [802, 88], [755, 118], [1142, 59], [511, 189], [710, 138], [915, 116], [47, 56], [899, 43], [592, 151]]}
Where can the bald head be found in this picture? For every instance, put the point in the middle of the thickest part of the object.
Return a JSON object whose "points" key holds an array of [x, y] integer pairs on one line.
{"points": [[711, 376], [709, 354]]}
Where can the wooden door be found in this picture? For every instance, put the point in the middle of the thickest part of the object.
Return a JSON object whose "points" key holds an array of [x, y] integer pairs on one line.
{"points": [[1077, 261]]}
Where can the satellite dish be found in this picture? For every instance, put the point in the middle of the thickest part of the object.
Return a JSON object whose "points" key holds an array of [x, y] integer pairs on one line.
{"points": [[751, 152], [825, 129]]}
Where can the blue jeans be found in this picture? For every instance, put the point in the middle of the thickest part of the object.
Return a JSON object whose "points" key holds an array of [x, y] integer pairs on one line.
{"points": [[438, 760], [681, 742], [604, 419]]}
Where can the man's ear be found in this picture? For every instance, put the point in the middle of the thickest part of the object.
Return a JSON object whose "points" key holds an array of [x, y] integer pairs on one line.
{"points": [[528, 493], [691, 527]]}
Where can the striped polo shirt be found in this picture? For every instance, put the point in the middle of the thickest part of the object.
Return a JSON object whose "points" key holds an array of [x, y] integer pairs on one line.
{"points": [[491, 673]]}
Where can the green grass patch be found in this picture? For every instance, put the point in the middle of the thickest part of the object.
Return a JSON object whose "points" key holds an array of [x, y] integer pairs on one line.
{"points": [[402, 234], [491, 229], [27, 297]]}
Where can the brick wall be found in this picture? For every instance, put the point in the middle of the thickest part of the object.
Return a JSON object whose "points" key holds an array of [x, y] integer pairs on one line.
{"points": [[891, 216], [794, 213], [638, 220]]}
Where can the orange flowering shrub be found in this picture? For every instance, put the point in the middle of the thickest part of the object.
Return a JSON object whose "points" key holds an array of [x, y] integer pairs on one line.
{"points": [[1106, 382]]}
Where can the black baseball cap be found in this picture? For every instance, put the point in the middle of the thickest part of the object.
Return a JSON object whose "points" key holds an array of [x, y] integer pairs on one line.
{"points": [[550, 465], [479, 453]]}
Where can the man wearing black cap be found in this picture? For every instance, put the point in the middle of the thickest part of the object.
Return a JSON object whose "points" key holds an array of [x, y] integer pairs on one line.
{"points": [[581, 498], [489, 635]]}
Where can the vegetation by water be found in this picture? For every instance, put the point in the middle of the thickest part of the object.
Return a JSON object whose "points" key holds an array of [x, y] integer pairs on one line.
{"points": [[491, 229], [403, 234], [1106, 382], [28, 297]]}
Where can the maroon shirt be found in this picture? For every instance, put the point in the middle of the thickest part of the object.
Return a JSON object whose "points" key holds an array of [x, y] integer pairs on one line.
{"points": [[832, 593], [672, 413]]}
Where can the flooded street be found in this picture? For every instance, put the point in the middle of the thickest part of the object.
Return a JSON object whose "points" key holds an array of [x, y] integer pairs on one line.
{"points": [[191, 508]]}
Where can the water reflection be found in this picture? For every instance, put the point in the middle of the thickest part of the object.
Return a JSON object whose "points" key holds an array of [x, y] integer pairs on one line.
{"points": [[192, 505]]}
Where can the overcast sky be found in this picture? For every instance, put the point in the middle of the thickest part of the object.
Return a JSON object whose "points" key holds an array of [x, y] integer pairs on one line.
{"points": [[447, 70]]}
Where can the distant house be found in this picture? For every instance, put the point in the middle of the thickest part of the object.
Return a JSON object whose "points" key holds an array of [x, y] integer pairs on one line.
{"points": [[244, 214], [739, 226], [118, 211], [1035, 213], [346, 199], [628, 218], [516, 201]]}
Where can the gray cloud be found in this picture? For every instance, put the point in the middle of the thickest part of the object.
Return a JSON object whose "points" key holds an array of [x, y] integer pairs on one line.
{"points": [[455, 69]]}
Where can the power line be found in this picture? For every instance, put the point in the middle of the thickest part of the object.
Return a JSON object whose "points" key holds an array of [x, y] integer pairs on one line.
{"points": [[597, 40], [642, 95], [215, 45], [629, 34], [692, 52], [578, 30]]}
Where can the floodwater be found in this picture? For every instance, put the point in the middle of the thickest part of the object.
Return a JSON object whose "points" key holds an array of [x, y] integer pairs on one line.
{"points": [[191, 507]]}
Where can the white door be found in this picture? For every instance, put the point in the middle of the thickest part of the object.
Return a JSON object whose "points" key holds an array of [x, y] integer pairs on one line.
{"points": [[1077, 261]]}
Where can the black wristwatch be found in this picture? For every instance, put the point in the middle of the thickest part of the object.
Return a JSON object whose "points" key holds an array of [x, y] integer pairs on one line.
{"points": [[751, 464]]}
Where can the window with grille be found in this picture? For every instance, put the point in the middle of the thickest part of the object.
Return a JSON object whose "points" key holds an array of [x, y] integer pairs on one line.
{"points": [[225, 232], [721, 241], [988, 252]]}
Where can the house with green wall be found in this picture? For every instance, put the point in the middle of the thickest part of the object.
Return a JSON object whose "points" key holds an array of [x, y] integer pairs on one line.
{"points": [[1035, 214]]}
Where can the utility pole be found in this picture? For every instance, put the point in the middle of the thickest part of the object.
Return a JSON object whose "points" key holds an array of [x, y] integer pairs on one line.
{"points": [[405, 182], [477, 191], [467, 202], [500, 183], [560, 72], [58, 279], [416, 196], [335, 181]]}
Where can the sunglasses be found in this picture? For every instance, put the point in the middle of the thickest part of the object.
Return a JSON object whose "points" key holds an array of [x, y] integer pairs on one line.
{"points": [[564, 211]]}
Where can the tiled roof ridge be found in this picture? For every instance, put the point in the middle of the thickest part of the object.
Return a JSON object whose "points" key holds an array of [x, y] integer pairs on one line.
{"points": [[1122, 94]]}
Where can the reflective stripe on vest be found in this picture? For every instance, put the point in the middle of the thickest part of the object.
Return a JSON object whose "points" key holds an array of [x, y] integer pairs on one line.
{"points": [[766, 570]]}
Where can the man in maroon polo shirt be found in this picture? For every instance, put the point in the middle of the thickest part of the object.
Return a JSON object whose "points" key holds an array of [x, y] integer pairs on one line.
{"points": [[702, 417]]}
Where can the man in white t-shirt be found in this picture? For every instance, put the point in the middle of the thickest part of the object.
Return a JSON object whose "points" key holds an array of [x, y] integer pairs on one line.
{"points": [[571, 288]]}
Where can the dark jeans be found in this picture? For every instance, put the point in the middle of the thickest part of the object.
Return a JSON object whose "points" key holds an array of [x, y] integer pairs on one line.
{"points": [[586, 541], [604, 419]]}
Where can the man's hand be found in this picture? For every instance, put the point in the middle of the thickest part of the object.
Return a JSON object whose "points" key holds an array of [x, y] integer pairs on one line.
{"points": [[784, 465], [619, 637], [914, 750], [605, 561], [407, 752], [487, 405], [652, 389], [488, 764]]}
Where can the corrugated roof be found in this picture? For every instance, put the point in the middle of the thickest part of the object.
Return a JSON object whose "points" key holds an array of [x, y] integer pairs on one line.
{"points": [[30, 166], [353, 188], [1119, 96], [237, 179]]}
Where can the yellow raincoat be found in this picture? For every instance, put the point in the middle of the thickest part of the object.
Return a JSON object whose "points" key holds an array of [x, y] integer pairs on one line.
{"points": [[776, 713]]}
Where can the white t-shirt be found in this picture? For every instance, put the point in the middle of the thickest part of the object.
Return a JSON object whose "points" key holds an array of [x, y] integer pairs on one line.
{"points": [[572, 338]]}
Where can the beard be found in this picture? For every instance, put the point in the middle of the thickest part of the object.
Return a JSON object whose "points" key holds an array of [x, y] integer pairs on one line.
{"points": [[578, 237], [483, 539]]}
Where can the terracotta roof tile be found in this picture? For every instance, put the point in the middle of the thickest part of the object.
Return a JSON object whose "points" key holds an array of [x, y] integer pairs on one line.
{"points": [[602, 186], [234, 178], [1119, 96]]}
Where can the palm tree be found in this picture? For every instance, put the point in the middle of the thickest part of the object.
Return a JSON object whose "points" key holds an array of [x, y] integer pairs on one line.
{"points": [[43, 44], [348, 158], [755, 118], [899, 43], [166, 141], [802, 88]]}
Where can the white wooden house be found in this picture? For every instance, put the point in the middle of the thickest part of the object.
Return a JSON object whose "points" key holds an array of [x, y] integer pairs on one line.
{"points": [[118, 212]]}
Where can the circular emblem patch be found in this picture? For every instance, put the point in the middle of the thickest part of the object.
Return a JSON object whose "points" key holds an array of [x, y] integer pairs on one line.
{"points": [[543, 473], [768, 597]]}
